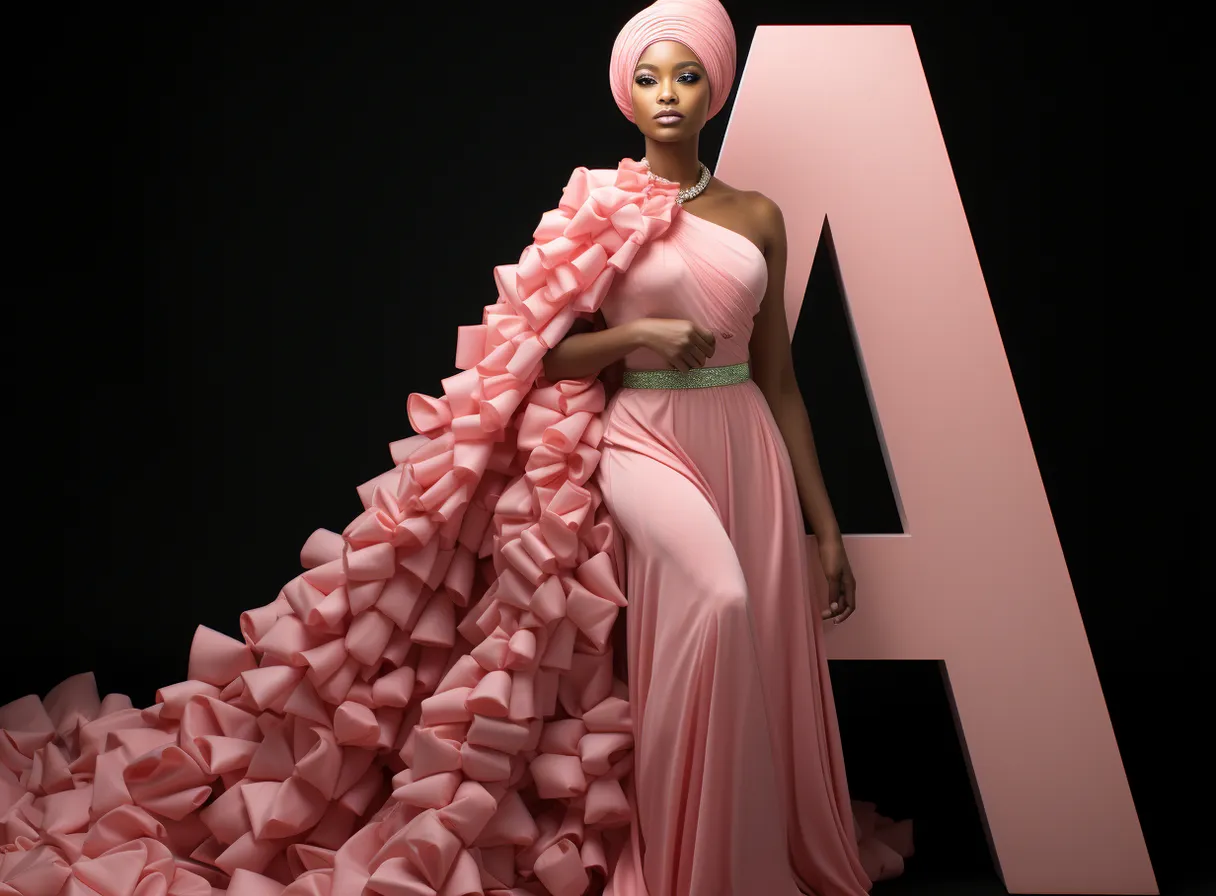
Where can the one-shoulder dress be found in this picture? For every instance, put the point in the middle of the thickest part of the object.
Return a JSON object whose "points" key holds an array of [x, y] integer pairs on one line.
{"points": [[740, 780]]}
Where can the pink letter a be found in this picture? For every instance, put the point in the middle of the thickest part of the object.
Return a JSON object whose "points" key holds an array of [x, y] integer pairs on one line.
{"points": [[837, 123]]}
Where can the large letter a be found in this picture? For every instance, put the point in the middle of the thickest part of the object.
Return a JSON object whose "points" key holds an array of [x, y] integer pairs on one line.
{"points": [[837, 123]]}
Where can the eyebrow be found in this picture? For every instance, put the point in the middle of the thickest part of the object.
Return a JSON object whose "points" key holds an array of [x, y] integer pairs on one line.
{"points": [[677, 65]]}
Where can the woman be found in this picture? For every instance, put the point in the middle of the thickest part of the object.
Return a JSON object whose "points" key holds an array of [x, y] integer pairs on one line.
{"points": [[431, 707], [728, 678]]}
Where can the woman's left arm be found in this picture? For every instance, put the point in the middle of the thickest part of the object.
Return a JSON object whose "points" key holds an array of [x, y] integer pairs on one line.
{"points": [[772, 365]]}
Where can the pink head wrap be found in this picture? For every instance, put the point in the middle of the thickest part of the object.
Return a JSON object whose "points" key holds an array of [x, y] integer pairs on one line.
{"points": [[701, 25]]}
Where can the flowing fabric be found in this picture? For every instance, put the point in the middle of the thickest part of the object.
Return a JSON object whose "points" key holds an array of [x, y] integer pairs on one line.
{"points": [[740, 778], [430, 708]]}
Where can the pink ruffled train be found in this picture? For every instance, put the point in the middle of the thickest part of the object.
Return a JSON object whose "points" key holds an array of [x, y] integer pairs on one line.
{"points": [[430, 708]]}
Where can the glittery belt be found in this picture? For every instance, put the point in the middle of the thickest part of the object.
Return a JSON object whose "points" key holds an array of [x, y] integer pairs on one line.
{"points": [[695, 378]]}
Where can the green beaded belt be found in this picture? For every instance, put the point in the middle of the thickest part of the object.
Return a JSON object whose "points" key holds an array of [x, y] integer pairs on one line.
{"points": [[695, 378]]}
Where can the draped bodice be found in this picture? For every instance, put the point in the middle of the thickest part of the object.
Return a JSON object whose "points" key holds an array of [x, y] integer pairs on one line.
{"points": [[698, 271]]}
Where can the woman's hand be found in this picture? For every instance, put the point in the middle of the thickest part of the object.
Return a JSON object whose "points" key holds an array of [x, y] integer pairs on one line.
{"points": [[681, 343], [842, 587]]}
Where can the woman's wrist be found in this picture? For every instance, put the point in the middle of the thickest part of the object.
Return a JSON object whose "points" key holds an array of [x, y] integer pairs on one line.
{"points": [[636, 334], [827, 532]]}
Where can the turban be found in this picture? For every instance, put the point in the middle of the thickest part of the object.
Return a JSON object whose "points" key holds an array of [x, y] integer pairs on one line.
{"points": [[701, 25]]}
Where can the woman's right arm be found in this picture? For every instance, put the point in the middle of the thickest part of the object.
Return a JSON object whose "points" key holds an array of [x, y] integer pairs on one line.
{"points": [[586, 351]]}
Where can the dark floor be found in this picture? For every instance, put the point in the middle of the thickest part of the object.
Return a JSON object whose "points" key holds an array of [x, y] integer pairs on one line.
{"points": [[913, 883], [922, 776]]}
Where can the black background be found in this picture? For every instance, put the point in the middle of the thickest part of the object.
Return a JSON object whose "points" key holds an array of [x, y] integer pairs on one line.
{"points": [[252, 231]]}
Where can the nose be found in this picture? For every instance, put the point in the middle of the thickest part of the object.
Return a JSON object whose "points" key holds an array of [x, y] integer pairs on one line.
{"points": [[668, 95]]}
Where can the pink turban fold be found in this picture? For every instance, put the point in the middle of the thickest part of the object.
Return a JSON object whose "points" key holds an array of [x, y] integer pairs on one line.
{"points": [[701, 25]]}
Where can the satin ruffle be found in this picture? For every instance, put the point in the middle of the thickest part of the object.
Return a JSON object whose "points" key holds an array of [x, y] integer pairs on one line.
{"points": [[430, 708]]}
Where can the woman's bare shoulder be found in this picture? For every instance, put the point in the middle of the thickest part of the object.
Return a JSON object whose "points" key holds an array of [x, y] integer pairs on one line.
{"points": [[751, 200], [761, 214]]}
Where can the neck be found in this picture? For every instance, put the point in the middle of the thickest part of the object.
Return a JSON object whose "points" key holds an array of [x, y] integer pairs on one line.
{"points": [[677, 162]]}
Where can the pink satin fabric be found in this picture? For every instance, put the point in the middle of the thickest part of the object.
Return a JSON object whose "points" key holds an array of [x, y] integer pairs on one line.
{"points": [[701, 25], [740, 779], [430, 708]]}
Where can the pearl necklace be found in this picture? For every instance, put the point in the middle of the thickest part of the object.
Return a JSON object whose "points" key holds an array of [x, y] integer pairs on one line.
{"points": [[692, 192]]}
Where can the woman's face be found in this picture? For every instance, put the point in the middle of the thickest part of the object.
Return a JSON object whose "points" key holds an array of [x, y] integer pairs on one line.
{"points": [[670, 92]]}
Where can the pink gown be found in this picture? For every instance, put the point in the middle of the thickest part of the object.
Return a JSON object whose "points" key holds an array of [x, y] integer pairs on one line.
{"points": [[740, 780], [430, 708]]}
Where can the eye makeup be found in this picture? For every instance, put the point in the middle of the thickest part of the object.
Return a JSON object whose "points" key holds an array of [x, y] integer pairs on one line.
{"points": [[683, 78]]}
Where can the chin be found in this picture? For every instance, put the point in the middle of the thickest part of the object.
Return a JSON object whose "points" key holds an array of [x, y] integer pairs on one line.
{"points": [[669, 134]]}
